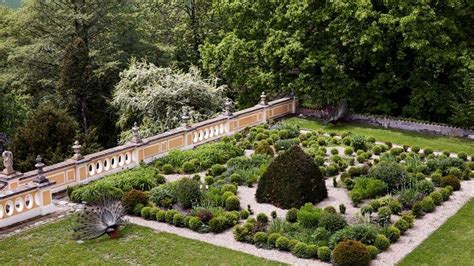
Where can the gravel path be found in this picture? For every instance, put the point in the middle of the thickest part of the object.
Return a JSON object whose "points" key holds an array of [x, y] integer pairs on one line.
{"points": [[426, 226]]}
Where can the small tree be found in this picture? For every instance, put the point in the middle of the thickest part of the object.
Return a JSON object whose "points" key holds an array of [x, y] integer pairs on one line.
{"points": [[291, 180]]}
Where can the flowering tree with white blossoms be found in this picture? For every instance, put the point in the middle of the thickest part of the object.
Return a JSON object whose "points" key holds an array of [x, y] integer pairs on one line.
{"points": [[155, 98]]}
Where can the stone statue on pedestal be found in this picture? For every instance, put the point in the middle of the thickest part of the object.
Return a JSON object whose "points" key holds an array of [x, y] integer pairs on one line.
{"points": [[8, 163]]}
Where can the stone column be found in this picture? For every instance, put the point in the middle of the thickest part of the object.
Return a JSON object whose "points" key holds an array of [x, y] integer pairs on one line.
{"points": [[40, 178], [77, 151]]}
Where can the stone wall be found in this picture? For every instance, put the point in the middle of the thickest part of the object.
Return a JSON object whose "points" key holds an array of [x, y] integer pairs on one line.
{"points": [[15, 189], [394, 123]]}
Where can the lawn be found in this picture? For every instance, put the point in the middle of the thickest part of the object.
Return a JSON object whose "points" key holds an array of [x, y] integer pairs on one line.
{"points": [[52, 244], [441, 143], [451, 244]]}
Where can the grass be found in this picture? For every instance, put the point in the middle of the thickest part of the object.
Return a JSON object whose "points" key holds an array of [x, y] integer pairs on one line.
{"points": [[52, 244], [441, 143], [451, 244]]}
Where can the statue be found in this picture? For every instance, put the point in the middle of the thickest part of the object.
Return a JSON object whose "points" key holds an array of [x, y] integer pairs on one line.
{"points": [[8, 163]]}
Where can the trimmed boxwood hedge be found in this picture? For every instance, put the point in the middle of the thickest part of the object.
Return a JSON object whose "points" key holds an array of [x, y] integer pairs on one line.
{"points": [[291, 180]]}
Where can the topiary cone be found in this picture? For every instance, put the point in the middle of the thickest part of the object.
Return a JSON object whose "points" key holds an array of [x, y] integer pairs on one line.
{"points": [[291, 180]]}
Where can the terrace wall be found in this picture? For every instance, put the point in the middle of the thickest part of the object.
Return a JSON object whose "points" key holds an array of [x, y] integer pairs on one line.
{"points": [[22, 189]]}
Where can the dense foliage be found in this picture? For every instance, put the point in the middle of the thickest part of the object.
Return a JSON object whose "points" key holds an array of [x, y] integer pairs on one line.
{"points": [[291, 180]]}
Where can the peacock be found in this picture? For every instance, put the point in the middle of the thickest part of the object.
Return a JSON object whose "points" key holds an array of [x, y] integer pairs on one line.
{"points": [[95, 220]]}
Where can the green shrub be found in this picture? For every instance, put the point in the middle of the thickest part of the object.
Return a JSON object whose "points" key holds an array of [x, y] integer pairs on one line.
{"points": [[332, 221], [169, 215], [383, 215], [291, 180], [319, 160], [436, 179], [358, 142], [365, 187], [417, 209], [427, 204], [263, 147], [187, 192], [415, 149], [392, 233], [402, 225], [232, 203], [301, 250], [216, 170], [195, 224], [226, 195], [409, 217], [209, 180], [260, 239], [377, 149], [272, 238], [445, 193], [131, 199], [437, 197], [450, 181], [351, 253], [390, 172], [167, 169], [381, 242], [160, 216], [229, 187], [454, 171], [463, 156], [427, 151], [262, 218], [217, 224], [308, 216], [145, 212], [365, 233], [283, 145], [244, 214], [373, 251], [324, 253], [291, 215], [395, 206], [348, 151], [178, 220], [188, 167], [424, 186], [283, 243], [162, 196]]}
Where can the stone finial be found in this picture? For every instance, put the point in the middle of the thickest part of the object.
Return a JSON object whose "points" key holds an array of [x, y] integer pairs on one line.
{"points": [[77, 151], [263, 99], [8, 163], [185, 118], [228, 107], [40, 178], [135, 135]]}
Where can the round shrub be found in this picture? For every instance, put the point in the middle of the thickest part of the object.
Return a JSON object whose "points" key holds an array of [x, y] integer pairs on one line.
{"points": [[408, 217], [395, 206], [351, 253], [216, 170], [463, 156], [392, 233], [377, 149], [301, 250], [427, 151], [334, 151], [145, 213], [244, 214], [390, 172], [450, 181], [167, 169], [417, 209], [227, 194], [348, 151], [232, 203], [188, 192], [437, 197], [445, 193], [373, 251], [263, 147], [178, 220], [381, 242], [260, 239], [358, 142], [415, 149], [262, 218], [160, 216], [454, 171], [162, 196], [272, 238], [427, 204], [436, 179], [218, 224], [209, 180], [312, 251], [332, 221], [324, 253], [188, 167], [195, 224], [229, 187], [283, 243], [169, 215], [236, 178], [132, 198], [204, 215], [424, 186], [402, 225], [291, 180]]}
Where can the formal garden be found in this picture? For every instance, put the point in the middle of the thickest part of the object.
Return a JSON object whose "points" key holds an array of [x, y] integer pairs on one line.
{"points": [[320, 195]]}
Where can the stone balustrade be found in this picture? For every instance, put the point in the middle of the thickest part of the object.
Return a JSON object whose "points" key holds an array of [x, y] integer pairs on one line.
{"points": [[22, 198]]}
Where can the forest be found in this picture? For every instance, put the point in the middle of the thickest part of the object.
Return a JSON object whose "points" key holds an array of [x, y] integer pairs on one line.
{"points": [[87, 69]]}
